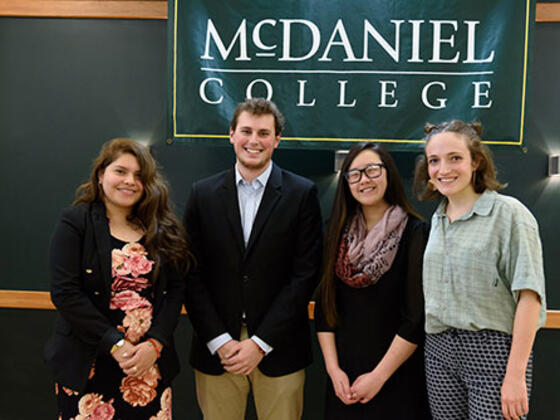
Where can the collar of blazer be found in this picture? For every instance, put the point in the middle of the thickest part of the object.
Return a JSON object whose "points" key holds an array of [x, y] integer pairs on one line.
{"points": [[103, 241], [271, 195]]}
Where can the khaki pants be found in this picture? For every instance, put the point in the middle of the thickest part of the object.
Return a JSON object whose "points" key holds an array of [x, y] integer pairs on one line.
{"points": [[224, 397]]}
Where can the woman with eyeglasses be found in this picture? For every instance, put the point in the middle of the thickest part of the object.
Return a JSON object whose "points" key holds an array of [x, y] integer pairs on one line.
{"points": [[369, 306], [483, 281]]}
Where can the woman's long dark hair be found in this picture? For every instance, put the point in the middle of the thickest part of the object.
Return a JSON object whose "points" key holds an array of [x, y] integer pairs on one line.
{"points": [[165, 237], [344, 207]]}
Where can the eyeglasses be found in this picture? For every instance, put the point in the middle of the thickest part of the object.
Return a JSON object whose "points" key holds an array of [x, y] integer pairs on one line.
{"points": [[372, 171]]}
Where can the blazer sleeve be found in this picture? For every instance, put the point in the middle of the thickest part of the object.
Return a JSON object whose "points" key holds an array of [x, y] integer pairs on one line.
{"points": [[294, 297], [67, 289], [412, 300], [199, 304], [166, 316]]}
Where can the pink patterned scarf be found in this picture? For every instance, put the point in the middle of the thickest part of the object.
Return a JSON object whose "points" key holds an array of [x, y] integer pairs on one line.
{"points": [[363, 256]]}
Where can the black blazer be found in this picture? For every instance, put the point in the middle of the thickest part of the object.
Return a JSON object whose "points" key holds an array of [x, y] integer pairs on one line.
{"points": [[271, 280], [80, 263]]}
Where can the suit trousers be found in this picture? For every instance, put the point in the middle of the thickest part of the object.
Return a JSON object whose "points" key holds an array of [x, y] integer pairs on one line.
{"points": [[224, 397]]}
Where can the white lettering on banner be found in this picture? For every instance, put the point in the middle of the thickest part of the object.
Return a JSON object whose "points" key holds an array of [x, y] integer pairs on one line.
{"points": [[342, 95], [392, 51], [267, 85], [478, 93], [286, 36], [257, 38], [471, 27], [387, 92], [202, 91], [438, 40], [451, 42], [241, 33], [344, 42], [301, 100], [339, 38], [440, 101], [415, 54]]}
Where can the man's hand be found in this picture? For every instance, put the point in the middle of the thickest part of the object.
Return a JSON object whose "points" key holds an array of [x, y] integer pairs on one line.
{"points": [[245, 360], [228, 350]]}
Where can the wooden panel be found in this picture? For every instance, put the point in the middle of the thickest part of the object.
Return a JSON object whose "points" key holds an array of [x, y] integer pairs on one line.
{"points": [[25, 299], [147, 9], [21, 299], [548, 12], [115, 9], [552, 319]]}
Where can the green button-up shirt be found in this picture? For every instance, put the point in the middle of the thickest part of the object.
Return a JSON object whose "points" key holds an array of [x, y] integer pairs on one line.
{"points": [[475, 267]]}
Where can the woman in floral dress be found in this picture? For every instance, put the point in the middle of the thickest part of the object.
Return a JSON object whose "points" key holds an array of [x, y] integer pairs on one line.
{"points": [[118, 258]]}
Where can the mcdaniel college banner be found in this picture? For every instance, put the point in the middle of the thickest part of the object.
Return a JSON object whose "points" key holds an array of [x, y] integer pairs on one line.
{"points": [[347, 71]]}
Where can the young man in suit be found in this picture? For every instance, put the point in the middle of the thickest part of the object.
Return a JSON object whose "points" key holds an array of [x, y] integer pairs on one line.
{"points": [[255, 230]]}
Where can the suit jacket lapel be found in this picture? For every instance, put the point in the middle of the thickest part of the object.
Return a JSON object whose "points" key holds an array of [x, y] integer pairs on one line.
{"points": [[228, 194], [272, 194], [103, 241]]}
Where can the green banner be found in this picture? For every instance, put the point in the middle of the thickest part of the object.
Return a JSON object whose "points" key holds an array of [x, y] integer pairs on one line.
{"points": [[350, 71]]}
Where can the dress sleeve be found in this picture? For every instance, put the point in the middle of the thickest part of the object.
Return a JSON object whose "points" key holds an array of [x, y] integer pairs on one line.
{"points": [[412, 299]]}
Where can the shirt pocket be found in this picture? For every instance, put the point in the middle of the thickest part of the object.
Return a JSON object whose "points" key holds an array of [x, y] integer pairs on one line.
{"points": [[483, 278]]}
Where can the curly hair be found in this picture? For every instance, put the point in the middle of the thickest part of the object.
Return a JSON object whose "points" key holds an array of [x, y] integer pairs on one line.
{"points": [[485, 175], [165, 238]]}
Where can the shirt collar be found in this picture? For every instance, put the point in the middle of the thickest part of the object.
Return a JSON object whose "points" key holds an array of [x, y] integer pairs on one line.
{"points": [[261, 180], [482, 206]]}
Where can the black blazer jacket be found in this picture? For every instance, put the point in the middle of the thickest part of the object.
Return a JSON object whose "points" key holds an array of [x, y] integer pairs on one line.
{"points": [[271, 280], [80, 264]]}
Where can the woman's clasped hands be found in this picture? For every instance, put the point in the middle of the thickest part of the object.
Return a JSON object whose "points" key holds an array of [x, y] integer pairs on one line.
{"points": [[364, 388], [135, 360]]}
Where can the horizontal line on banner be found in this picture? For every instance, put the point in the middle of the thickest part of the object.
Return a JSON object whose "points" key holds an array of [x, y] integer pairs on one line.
{"points": [[390, 72], [341, 139]]}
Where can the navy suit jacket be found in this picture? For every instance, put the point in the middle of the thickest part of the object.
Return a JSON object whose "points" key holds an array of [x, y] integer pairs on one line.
{"points": [[80, 263], [270, 281]]}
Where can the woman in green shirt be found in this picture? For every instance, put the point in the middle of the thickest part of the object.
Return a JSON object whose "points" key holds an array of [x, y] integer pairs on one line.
{"points": [[483, 281]]}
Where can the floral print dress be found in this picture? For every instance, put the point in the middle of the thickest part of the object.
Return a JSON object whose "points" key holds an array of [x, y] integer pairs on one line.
{"points": [[110, 394]]}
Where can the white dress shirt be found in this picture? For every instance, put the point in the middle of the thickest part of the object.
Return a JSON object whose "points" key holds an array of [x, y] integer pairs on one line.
{"points": [[249, 196]]}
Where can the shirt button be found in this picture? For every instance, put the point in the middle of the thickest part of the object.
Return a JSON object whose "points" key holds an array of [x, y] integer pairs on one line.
{"points": [[245, 278], [96, 293]]}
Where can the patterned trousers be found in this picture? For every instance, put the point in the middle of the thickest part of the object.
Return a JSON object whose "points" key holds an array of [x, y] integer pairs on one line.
{"points": [[465, 371]]}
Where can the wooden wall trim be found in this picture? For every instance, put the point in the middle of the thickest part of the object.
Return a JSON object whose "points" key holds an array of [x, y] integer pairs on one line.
{"points": [[103, 9], [147, 9], [548, 12], [23, 299]]}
